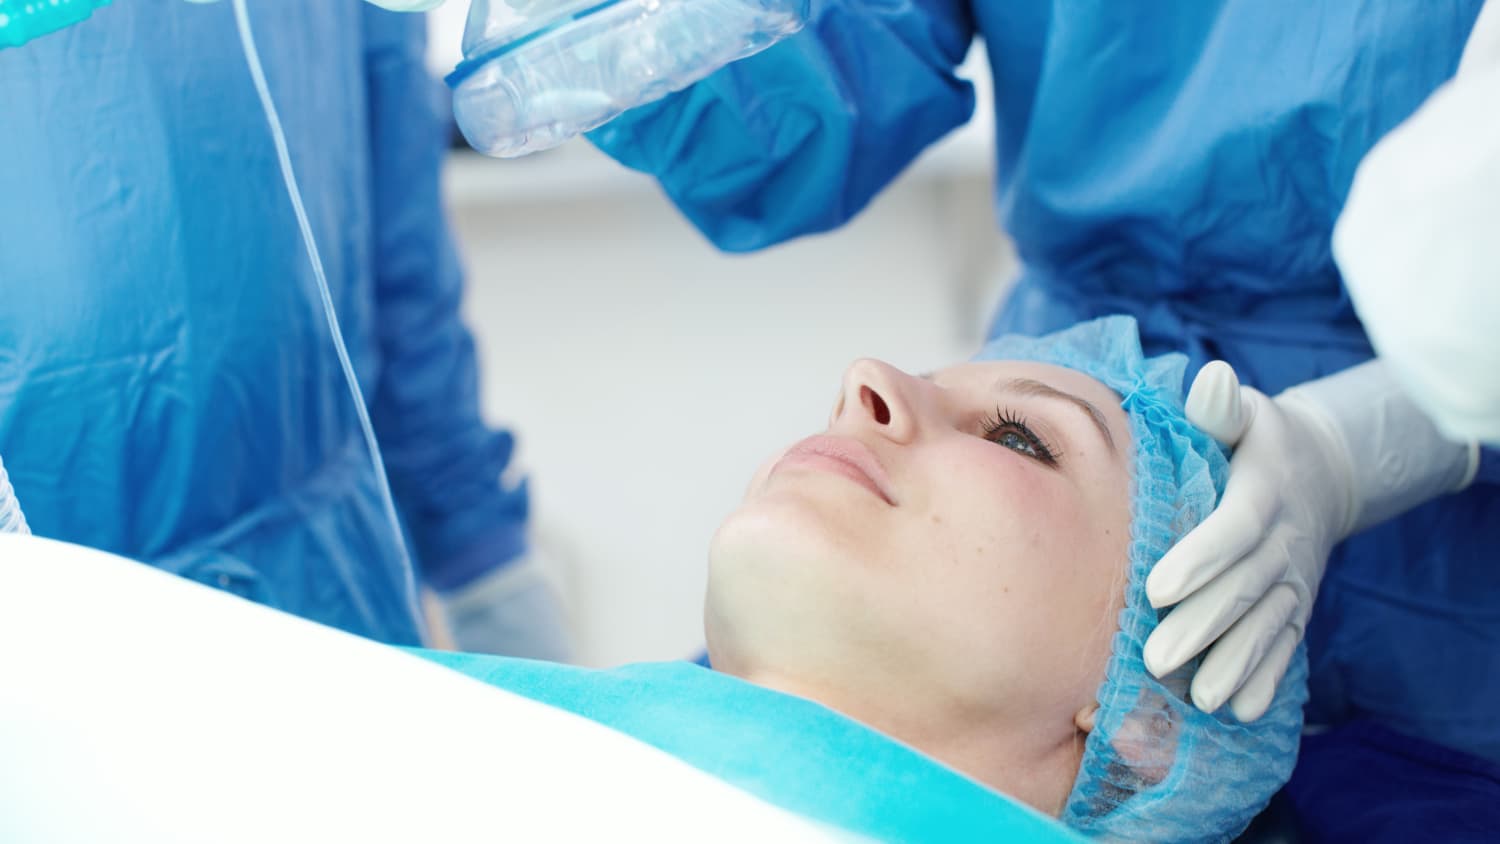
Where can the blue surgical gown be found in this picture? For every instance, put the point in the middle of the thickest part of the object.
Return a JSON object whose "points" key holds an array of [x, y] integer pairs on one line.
{"points": [[1182, 162], [168, 388]]}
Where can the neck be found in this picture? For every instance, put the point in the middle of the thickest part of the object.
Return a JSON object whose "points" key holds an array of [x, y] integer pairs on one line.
{"points": [[1034, 763]]}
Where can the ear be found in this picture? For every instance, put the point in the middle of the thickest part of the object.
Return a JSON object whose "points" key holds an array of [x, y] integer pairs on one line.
{"points": [[1083, 719]]}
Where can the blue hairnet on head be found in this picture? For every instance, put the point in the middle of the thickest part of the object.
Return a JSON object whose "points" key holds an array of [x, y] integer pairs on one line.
{"points": [[1155, 768]]}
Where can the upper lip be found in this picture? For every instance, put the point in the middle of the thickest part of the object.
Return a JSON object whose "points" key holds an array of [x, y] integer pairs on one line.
{"points": [[852, 452]]}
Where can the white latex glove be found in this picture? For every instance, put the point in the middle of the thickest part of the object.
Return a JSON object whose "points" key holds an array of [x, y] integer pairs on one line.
{"points": [[1418, 248], [512, 611], [1310, 467]]}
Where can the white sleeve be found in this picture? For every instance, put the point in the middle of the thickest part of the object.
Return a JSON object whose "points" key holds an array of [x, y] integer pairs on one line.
{"points": [[1418, 243]]}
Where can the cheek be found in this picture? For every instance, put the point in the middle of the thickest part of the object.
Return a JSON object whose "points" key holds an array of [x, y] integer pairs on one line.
{"points": [[1034, 558], [999, 506]]}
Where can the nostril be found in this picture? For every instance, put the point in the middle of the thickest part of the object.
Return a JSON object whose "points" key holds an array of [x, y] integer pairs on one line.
{"points": [[876, 405]]}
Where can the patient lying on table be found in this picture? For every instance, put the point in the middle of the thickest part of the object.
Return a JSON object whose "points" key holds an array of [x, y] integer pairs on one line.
{"points": [[958, 562]]}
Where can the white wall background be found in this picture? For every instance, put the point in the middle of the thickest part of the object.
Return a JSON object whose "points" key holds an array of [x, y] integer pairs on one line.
{"points": [[647, 375]]}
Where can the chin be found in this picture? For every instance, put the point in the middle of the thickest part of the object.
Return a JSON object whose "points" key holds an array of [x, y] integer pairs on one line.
{"points": [[783, 539], [789, 593], [775, 569]]}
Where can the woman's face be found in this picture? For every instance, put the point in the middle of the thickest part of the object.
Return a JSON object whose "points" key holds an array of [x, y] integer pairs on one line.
{"points": [[952, 545]]}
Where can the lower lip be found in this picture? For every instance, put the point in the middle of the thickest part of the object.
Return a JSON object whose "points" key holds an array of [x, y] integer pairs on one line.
{"points": [[829, 465]]}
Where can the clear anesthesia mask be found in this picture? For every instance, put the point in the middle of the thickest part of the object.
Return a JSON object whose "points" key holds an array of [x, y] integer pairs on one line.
{"points": [[538, 72]]}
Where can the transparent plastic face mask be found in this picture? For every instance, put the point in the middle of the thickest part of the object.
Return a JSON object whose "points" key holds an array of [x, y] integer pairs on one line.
{"points": [[538, 72]]}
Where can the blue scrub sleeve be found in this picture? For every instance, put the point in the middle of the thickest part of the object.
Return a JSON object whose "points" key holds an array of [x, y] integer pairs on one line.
{"points": [[1489, 466], [797, 139], [444, 462]]}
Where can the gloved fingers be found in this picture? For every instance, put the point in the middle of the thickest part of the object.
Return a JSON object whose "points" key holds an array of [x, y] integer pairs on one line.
{"points": [[1234, 529], [1239, 652], [1202, 617], [1207, 550], [1214, 403], [1254, 698]]}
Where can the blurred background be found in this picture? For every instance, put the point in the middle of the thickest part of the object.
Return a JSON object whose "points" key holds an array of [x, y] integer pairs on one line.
{"points": [[647, 375]]}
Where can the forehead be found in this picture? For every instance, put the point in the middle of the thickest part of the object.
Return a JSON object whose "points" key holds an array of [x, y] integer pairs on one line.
{"points": [[982, 380]]}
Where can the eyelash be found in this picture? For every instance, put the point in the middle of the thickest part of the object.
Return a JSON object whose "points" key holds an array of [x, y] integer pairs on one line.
{"points": [[1004, 421]]}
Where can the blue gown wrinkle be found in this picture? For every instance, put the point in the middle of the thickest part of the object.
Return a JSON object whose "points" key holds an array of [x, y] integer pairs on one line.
{"points": [[168, 388]]}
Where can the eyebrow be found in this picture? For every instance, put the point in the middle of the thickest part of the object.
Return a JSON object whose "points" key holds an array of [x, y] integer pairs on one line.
{"points": [[1033, 387]]}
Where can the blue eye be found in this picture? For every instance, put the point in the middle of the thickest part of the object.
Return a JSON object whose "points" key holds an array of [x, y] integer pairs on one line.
{"points": [[1010, 431], [1013, 440]]}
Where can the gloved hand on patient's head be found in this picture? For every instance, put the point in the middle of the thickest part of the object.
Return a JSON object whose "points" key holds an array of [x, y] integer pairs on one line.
{"points": [[1311, 466]]}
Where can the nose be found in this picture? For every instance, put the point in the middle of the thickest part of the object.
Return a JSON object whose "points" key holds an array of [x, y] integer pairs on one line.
{"points": [[878, 398]]}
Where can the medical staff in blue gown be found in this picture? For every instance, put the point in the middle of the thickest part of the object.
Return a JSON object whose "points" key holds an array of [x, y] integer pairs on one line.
{"points": [[1185, 166], [168, 387]]}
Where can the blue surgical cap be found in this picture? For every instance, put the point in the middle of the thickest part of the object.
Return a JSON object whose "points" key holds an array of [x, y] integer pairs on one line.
{"points": [[1155, 768]]}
